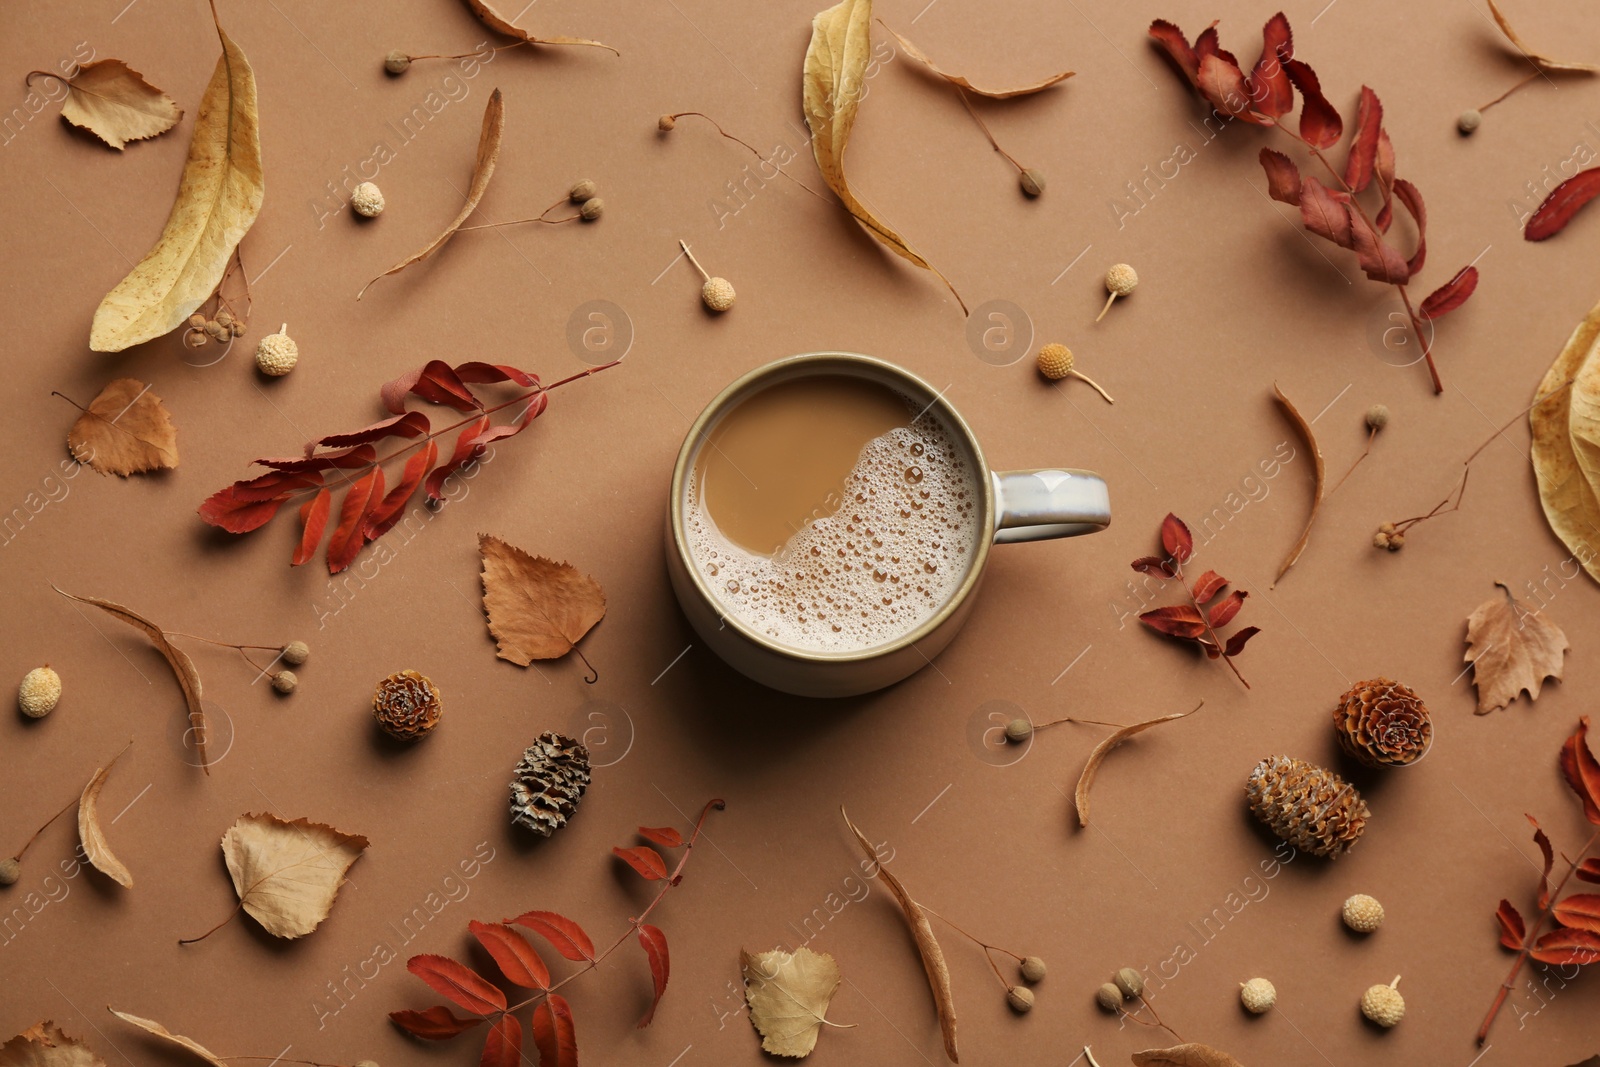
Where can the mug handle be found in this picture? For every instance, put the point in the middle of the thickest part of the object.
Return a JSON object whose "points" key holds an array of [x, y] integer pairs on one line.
{"points": [[1041, 504]]}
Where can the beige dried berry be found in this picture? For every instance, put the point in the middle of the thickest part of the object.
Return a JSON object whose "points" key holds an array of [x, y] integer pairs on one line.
{"points": [[1362, 913], [1032, 968], [1109, 997], [10, 871], [1121, 280], [592, 209], [366, 1063], [1032, 182], [396, 62], [296, 653], [717, 293], [195, 336], [285, 681], [197, 321], [367, 200], [581, 191], [224, 319], [666, 123], [1018, 731], [1258, 995], [1130, 982], [39, 692], [276, 353], [1469, 121], [1056, 361], [1020, 999], [1377, 417], [406, 705], [1383, 1004]]}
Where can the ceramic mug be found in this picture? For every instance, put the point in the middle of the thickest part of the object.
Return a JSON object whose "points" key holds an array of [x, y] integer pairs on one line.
{"points": [[1014, 506]]}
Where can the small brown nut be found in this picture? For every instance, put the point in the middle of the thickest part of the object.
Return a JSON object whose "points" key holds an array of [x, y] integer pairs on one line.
{"points": [[10, 871], [666, 123], [1032, 969], [1020, 999], [1018, 730], [296, 653], [396, 62], [582, 191], [1032, 182], [1130, 981], [1109, 997], [592, 209], [285, 681]]}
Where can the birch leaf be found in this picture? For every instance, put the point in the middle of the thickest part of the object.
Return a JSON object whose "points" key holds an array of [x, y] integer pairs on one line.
{"points": [[1080, 795], [219, 197], [150, 1026], [45, 1045], [833, 82], [788, 994], [1540, 61], [961, 82], [494, 124], [1319, 476], [95, 846], [537, 608], [1511, 649], [500, 24], [113, 101], [125, 430], [1566, 443], [287, 874]]}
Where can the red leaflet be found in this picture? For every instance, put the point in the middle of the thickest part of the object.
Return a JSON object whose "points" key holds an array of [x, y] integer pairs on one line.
{"points": [[516, 958], [1176, 45], [1589, 870], [434, 1024], [1513, 931], [1319, 122], [564, 935], [351, 533], [1379, 260], [1176, 538], [665, 836], [644, 859], [532, 410], [313, 521], [1543, 841], [1358, 168], [341, 459], [1581, 911], [1581, 771], [503, 1047], [1564, 201], [553, 1033], [386, 514], [1239, 639], [1412, 199], [437, 383], [1154, 566], [458, 982], [1283, 177], [1325, 213], [1567, 946], [1222, 83], [1208, 44], [1271, 92], [488, 373], [465, 452], [1179, 620], [655, 948], [1451, 295], [410, 424], [1227, 608], [1208, 586], [250, 505]]}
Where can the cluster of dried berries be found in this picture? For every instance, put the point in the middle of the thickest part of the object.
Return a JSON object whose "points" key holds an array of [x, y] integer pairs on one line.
{"points": [[1128, 985], [222, 327]]}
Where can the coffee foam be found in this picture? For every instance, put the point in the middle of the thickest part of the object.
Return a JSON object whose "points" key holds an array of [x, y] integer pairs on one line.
{"points": [[880, 565]]}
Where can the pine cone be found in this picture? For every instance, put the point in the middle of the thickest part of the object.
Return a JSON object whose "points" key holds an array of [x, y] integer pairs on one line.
{"points": [[1314, 810], [1383, 724], [550, 779], [406, 705]]}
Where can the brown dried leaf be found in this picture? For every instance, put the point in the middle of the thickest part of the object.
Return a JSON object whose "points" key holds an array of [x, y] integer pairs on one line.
{"points": [[126, 430], [150, 1026], [499, 24], [1188, 1055], [1319, 475], [1543, 62], [1566, 443], [1080, 795], [961, 82], [933, 963], [1511, 649], [95, 846], [494, 124], [833, 82], [287, 874], [788, 994], [45, 1045], [538, 608], [113, 101]]}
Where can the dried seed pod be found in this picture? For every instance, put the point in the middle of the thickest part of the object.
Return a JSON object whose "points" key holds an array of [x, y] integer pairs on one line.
{"points": [[1130, 981], [1469, 121], [581, 191], [1032, 968], [1056, 361], [1362, 913], [717, 293], [406, 705], [1383, 723], [1032, 182], [1383, 1004], [285, 681], [367, 200], [296, 653], [1020, 999], [225, 319], [1018, 730], [1120, 281], [194, 337], [548, 782], [197, 321], [215, 330], [592, 209], [1258, 995], [238, 328], [666, 123], [1313, 809], [39, 692], [10, 871], [396, 62], [1377, 416], [276, 353], [1109, 997]]}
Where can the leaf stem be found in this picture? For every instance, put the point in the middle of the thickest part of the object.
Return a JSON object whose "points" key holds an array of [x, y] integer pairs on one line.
{"points": [[752, 150], [43, 828], [961, 94], [1371, 433], [231, 916], [1537, 73], [987, 948]]}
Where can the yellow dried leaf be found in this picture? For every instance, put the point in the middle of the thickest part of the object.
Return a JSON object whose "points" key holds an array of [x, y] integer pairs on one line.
{"points": [[1543, 62], [287, 874], [1189, 1055], [90, 833], [113, 101], [1565, 423], [960, 82], [45, 1045], [1080, 795], [218, 199], [537, 608], [1319, 478], [126, 430], [500, 24], [1511, 649], [150, 1026], [788, 994]]}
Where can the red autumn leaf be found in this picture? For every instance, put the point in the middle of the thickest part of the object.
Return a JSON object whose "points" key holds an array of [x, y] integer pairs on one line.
{"points": [[1227, 608], [389, 512], [1271, 93], [1567, 946], [464, 453], [313, 523], [1589, 870], [1176, 45], [553, 1033], [1412, 199], [530, 411], [1176, 538], [503, 1046], [564, 935], [1222, 84], [410, 424], [1208, 586], [1319, 121], [1564, 201], [1380, 260], [1580, 911], [251, 504], [1383, 165], [1209, 44], [432, 1024], [644, 859], [1154, 566], [654, 943], [1581, 771], [1542, 839], [1451, 295], [489, 373], [458, 982], [1239, 639], [1324, 213], [351, 533], [1283, 177], [1513, 931], [516, 958], [1359, 166], [665, 836], [340, 459], [1179, 620], [436, 383]]}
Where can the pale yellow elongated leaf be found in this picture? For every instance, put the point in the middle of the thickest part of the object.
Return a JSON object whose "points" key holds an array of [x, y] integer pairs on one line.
{"points": [[219, 197], [45, 1045], [1511, 649], [287, 874], [113, 101], [1565, 422], [960, 81], [1544, 62], [500, 24], [933, 962], [833, 82], [1189, 1055], [494, 124], [788, 994], [92, 835], [1080, 795], [150, 1026], [1319, 479]]}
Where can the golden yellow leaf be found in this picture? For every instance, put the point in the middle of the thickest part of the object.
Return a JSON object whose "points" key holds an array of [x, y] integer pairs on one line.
{"points": [[500, 24], [538, 608], [833, 82], [788, 994], [1511, 649], [1565, 422], [44, 1045], [218, 199], [494, 124], [126, 430], [287, 874], [1080, 795], [961, 82], [113, 101], [90, 833], [152, 1027], [1543, 62]]}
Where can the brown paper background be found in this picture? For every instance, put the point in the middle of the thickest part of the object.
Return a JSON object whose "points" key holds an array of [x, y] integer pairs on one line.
{"points": [[1233, 297]]}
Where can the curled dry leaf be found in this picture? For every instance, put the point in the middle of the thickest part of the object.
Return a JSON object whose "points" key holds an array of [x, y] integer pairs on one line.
{"points": [[933, 962], [45, 1045], [1563, 203], [1187, 1055], [113, 101], [287, 874], [1080, 795], [95, 847], [218, 199], [1565, 421], [1319, 474], [537, 608], [150, 1026], [961, 82], [500, 24], [182, 667], [1511, 649], [1543, 62], [788, 994], [494, 124], [833, 84], [125, 430]]}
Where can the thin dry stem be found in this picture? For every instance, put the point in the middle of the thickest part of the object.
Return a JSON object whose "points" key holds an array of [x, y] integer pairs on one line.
{"points": [[984, 126], [1096, 385], [1537, 73], [752, 149], [696, 262], [1372, 432], [29, 844], [1111, 298], [469, 55]]}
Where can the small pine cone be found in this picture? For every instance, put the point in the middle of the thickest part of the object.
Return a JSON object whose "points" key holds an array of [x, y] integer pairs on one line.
{"points": [[1383, 724], [406, 705], [1313, 809], [550, 780]]}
